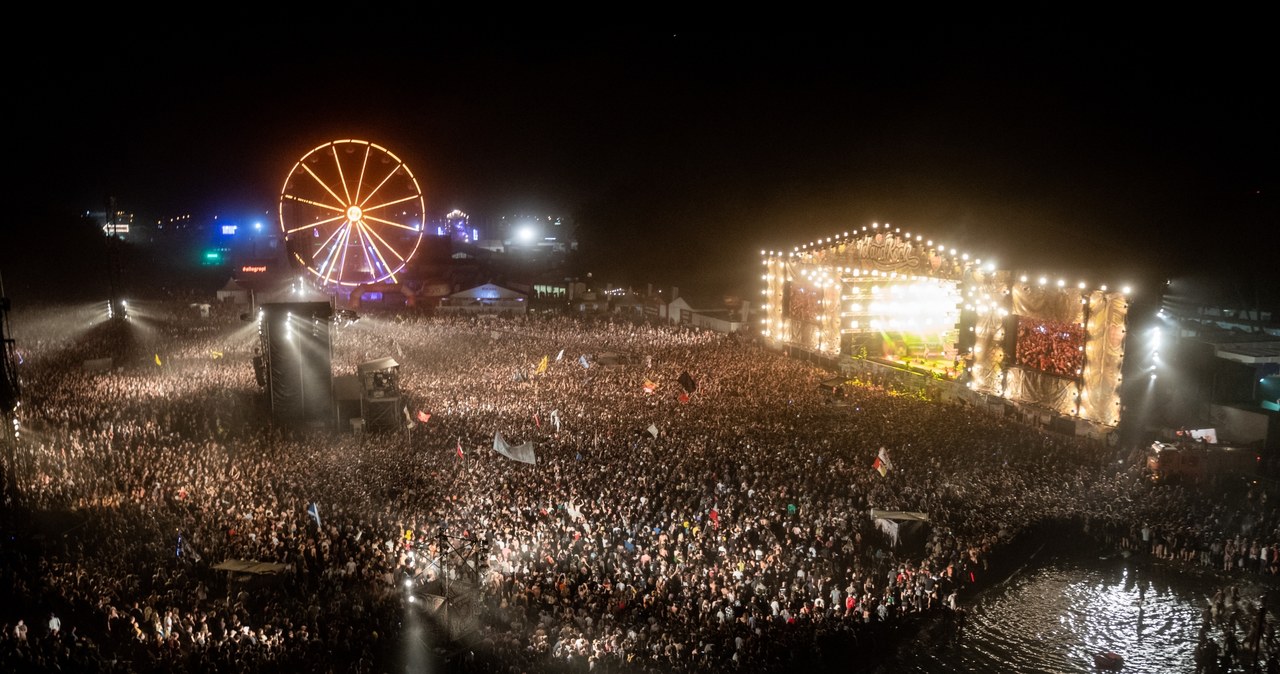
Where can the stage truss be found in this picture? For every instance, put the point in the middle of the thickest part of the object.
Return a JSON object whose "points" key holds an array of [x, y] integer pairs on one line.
{"points": [[882, 294]]}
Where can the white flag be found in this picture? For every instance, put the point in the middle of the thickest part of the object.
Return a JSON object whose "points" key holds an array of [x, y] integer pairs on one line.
{"points": [[522, 453], [653, 430]]}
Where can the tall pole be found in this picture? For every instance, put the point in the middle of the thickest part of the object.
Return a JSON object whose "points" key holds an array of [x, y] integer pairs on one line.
{"points": [[10, 393], [108, 227]]}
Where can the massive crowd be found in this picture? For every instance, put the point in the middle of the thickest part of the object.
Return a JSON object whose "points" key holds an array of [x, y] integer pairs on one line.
{"points": [[725, 528]]}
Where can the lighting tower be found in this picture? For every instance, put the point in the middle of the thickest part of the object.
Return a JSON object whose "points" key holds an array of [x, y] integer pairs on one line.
{"points": [[10, 395]]}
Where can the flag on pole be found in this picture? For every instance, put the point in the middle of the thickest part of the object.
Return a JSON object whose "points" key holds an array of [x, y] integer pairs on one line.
{"points": [[686, 381], [582, 360], [313, 509], [653, 430], [408, 420], [559, 355], [458, 448], [157, 359], [883, 456], [542, 366], [879, 465], [423, 416], [555, 419]]}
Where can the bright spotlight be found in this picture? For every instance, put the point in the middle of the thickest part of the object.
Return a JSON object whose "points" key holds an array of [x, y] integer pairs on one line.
{"points": [[526, 234]]}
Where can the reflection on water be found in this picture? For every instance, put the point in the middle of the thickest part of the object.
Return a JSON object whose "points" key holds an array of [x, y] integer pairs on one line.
{"points": [[1056, 613]]}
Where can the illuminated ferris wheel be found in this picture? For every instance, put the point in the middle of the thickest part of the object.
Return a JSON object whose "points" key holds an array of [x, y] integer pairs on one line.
{"points": [[352, 213]]}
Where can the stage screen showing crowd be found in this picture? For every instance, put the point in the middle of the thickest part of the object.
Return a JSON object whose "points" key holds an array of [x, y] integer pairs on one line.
{"points": [[1052, 347]]}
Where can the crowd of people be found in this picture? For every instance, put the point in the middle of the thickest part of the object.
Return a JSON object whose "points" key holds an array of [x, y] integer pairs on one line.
{"points": [[665, 527]]}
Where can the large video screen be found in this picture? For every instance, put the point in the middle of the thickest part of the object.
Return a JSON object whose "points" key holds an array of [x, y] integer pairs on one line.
{"points": [[1052, 347]]}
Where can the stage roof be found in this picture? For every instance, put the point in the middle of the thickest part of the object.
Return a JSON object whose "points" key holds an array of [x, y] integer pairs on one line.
{"points": [[377, 365], [1251, 353]]}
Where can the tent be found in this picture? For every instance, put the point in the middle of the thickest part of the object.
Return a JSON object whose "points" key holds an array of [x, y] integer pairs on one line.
{"points": [[903, 527], [234, 292]]}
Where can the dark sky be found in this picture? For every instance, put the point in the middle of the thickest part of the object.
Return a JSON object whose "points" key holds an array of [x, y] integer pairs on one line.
{"points": [[682, 155]]}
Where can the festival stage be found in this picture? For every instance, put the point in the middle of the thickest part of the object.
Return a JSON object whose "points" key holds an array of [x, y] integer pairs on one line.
{"points": [[884, 296]]}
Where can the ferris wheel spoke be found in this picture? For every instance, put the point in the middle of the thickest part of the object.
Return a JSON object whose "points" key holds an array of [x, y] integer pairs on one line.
{"points": [[340, 245], [374, 233], [364, 165], [313, 225], [370, 235], [324, 244], [317, 204], [390, 173], [366, 248], [342, 179], [389, 223], [326, 187], [327, 266], [346, 244], [388, 204]]}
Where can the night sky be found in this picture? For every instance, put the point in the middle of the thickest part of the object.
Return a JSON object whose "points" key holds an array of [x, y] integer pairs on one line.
{"points": [[1098, 153]]}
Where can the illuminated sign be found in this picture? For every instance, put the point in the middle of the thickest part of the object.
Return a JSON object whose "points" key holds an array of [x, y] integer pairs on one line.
{"points": [[229, 230], [253, 269]]}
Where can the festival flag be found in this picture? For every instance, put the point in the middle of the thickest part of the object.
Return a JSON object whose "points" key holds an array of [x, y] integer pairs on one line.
{"points": [[458, 448], [157, 359], [313, 509], [879, 465], [653, 430], [883, 456], [542, 366], [522, 453], [423, 416], [408, 420], [216, 354], [559, 355], [686, 381], [582, 360], [650, 386], [555, 419]]}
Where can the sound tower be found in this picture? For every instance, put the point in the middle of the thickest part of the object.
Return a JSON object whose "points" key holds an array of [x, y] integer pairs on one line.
{"points": [[297, 360]]}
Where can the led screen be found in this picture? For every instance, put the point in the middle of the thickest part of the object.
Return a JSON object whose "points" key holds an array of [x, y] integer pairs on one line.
{"points": [[1053, 347]]}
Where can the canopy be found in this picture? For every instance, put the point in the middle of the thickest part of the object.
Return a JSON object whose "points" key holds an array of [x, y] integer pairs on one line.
{"points": [[251, 567], [377, 365], [899, 515]]}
